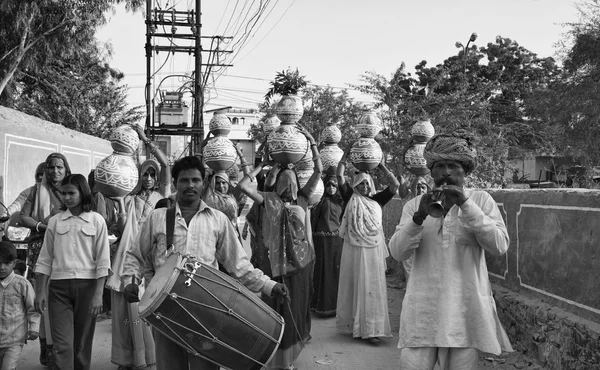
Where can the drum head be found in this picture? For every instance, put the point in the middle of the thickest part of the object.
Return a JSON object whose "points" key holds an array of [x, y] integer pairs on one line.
{"points": [[160, 285]]}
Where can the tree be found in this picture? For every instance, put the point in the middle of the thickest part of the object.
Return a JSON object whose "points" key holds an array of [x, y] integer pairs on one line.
{"points": [[33, 32], [322, 105]]}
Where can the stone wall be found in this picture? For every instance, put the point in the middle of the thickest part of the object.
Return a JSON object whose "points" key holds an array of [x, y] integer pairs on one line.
{"points": [[25, 141], [547, 285]]}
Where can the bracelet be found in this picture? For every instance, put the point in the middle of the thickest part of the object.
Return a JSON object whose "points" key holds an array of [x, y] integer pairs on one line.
{"points": [[123, 214], [37, 227], [244, 164]]}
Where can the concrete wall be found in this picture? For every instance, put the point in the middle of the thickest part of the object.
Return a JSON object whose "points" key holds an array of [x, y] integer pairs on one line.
{"points": [[25, 141]]}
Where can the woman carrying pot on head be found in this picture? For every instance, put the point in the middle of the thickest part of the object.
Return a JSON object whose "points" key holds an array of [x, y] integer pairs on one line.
{"points": [[362, 306], [132, 342], [43, 202], [220, 193], [287, 236], [325, 220]]}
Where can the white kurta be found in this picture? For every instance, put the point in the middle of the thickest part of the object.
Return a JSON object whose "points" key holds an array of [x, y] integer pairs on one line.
{"points": [[448, 301]]}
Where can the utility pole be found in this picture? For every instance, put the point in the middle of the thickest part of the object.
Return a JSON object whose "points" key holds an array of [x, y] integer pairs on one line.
{"points": [[184, 25]]}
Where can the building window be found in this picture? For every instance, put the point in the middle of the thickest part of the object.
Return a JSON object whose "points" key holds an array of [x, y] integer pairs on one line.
{"points": [[235, 121], [243, 120]]}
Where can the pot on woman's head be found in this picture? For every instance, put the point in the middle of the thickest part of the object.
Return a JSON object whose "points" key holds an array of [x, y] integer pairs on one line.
{"points": [[365, 154], [116, 175], [219, 124], [219, 153], [286, 144], [124, 139], [289, 109]]}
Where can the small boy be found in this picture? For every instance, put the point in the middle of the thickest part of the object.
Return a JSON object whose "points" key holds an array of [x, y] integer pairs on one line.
{"points": [[20, 267], [20, 320]]}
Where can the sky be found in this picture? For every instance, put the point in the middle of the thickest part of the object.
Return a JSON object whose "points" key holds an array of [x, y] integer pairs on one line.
{"points": [[332, 42]]}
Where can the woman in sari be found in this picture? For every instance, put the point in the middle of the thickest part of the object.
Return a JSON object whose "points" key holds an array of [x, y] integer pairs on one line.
{"points": [[325, 219], [132, 341], [43, 202], [287, 237], [362, 306]]}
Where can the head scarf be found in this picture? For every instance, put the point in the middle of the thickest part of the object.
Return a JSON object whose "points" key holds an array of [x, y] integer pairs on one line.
{"points": [[148, 163], [286, 179], [416, 181], [225, 203], [47, 199], [457, 146], [360, 177], [362, 221], [40, 168]]}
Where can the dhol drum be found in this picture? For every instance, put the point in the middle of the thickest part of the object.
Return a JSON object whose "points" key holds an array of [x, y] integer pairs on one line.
{"points": [[211, 315]]}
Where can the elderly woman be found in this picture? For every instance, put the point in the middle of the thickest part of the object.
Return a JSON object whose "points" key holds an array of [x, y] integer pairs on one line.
{"points": [[43, 202], [362, 306], [325, 219], [287, 237], [133, 345]]}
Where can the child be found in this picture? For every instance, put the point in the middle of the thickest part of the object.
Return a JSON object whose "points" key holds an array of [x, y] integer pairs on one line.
{"points": [[20, 267], [75, 258], [20, 321]]}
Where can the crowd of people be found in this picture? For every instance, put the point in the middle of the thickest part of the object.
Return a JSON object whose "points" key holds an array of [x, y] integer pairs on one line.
{"points": [[89, 254]]}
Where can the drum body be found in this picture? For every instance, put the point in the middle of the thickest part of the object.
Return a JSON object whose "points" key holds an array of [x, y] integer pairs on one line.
{"points": [[211, 315]]}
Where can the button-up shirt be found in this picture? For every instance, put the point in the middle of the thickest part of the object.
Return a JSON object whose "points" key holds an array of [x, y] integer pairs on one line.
{"points": [[75, 247], [448, 301], [17, 311], [209, 237]]}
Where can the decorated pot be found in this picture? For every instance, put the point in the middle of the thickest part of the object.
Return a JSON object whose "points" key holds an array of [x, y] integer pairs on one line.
{"points": [[422, 131], [365, 154], [219, 153], [414, 160], [124, 139], [305, 163], [286, 144], [331, 134], [289, 109], [331, 155], [369, 125], [116, 175], [303, 176], [270, 122], [219, 124]]}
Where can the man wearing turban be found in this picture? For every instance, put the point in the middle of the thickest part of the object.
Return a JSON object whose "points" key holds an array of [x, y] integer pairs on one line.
{"points": [[449, 313]]}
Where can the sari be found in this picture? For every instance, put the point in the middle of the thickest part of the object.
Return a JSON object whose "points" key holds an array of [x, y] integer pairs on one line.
{"points": [[362, 306], [226, 203], [325, 220], [132, 341], [288, 240]]}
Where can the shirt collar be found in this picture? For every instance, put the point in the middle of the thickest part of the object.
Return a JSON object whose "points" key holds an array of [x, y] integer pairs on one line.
{"points": [[202, 207], [86, 216], [8, 279]]}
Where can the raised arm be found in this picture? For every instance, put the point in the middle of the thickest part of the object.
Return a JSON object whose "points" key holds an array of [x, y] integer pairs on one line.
{"points": [[341, 168], [243, 162], [165, 171], [394, 183], [247, 188], [311, 184]]}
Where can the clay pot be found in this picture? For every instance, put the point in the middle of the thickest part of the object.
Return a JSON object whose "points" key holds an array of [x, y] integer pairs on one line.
{"points": [[303, 176], [369, 125], [289, 109], [331, 155], [365, 154], [414, 160], [305, 163], [422, 131], [269, 123], [219, 154], [331, 134], [219, 124], [116, 175], [124, 139], [287, 145]]}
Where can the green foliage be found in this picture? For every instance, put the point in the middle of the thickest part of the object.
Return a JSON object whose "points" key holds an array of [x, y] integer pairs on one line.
{"points": [[286, 82], [52, 67]]}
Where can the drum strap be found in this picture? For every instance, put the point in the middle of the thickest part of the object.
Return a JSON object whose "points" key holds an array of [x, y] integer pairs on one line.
{"points": [[170, 227]]}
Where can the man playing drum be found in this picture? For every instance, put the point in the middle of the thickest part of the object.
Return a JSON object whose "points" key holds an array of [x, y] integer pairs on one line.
{"points": [[200, 231]]}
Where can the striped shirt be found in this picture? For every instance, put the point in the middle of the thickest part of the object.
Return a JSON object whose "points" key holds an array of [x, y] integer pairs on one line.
{"points": [[209, 237]]}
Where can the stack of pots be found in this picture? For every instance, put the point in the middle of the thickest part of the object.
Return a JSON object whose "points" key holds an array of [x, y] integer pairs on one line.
{"points": [[331, 154], [219, 153], [305, 169], [286, 144], [421, 132], [365, 153], [117, 174]]}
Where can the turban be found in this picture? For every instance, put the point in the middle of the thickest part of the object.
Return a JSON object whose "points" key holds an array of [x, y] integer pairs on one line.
{"points": [[452, 147]]}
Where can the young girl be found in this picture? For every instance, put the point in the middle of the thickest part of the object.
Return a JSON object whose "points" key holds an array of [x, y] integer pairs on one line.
{"points": [[75, 258]]}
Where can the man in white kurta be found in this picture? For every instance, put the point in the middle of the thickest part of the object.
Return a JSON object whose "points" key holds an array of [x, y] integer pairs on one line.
{"points": [[448, 312]]}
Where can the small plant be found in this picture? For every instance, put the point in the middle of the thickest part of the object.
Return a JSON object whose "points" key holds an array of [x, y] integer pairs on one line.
{"points": [[285, 83]]}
